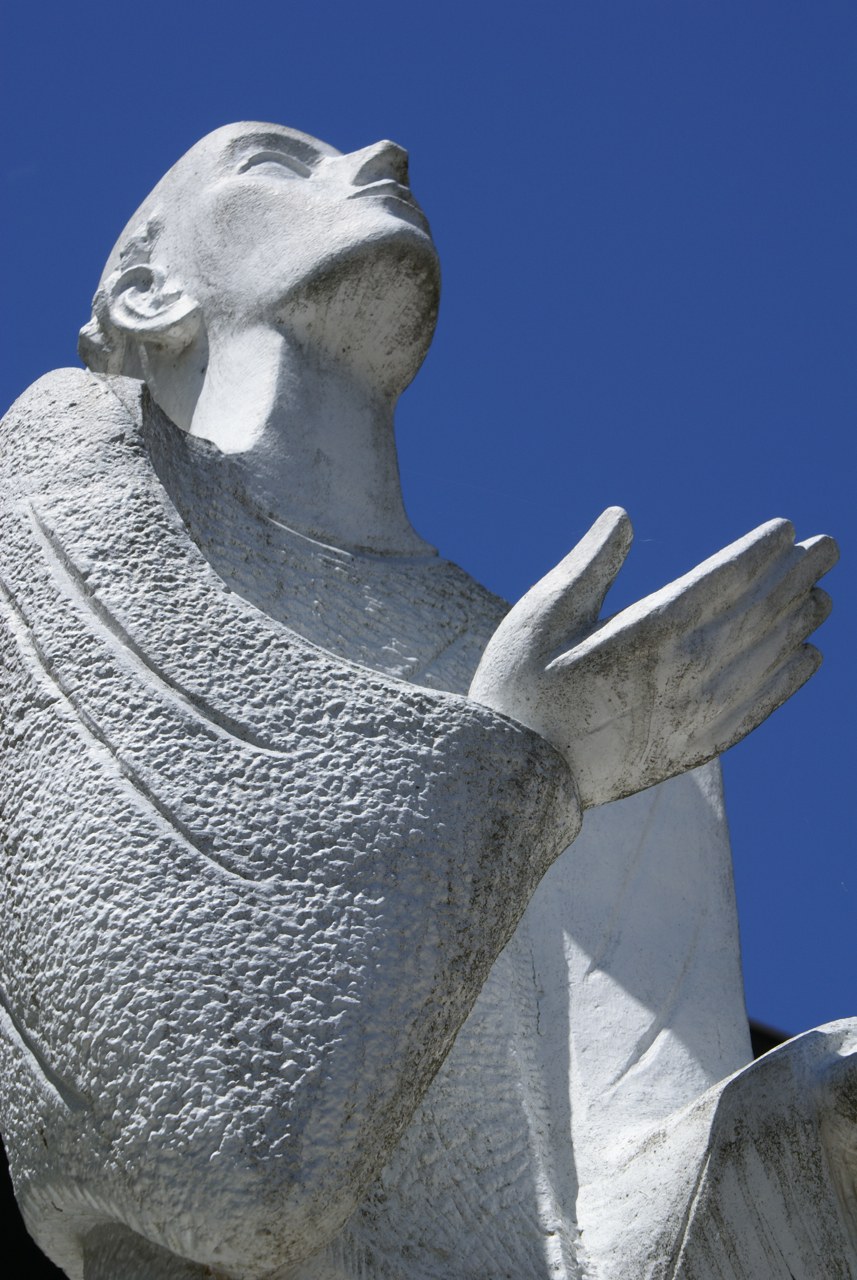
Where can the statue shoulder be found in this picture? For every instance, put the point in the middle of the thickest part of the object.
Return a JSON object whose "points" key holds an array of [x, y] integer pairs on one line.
{"points": [[65, 416], [66, 394]]}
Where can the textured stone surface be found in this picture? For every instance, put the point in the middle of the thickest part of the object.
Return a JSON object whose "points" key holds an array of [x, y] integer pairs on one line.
{"points": [[583, 1025], [239, 929]]}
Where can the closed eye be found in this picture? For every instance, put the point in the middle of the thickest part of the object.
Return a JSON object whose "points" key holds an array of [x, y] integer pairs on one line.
{"points": [[288, 166]]}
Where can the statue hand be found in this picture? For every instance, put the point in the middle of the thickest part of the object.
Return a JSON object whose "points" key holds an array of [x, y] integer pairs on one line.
{"points": [[670, 681]]}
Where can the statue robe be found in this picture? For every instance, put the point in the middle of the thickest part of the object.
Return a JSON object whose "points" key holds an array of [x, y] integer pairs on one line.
{"points": [[251, 890], [619, 999], [260, 864]]}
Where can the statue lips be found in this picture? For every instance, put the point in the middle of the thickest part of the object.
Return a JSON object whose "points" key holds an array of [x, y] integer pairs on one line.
{"points": [[388, 188]]}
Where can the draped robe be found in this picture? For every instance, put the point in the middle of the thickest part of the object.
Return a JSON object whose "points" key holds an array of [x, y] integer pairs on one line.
{"points": [[251, 890], [266, 992]]}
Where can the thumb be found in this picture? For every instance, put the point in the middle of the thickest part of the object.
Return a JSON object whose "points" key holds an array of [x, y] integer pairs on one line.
{"points": [[568, 600], [560, 608]]}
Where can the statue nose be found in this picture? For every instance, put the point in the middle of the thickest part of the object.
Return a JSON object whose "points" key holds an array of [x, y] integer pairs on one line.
{"points": [[382, 160]]}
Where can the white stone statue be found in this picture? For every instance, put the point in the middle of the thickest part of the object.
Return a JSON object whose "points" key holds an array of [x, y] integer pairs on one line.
{"points": [[299, 978]]}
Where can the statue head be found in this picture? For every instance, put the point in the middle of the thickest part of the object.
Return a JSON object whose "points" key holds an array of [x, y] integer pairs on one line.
{"points": [[260, 225]]}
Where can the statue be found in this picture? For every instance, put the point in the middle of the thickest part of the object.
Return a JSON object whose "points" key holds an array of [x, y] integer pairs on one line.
{"points": [[308, 971]]}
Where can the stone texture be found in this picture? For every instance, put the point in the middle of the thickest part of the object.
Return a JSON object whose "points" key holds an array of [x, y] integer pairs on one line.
{"points": [[230, 971]]}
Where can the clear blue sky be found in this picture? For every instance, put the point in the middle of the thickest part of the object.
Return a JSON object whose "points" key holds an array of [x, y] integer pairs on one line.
{"points": [[646, 217]]}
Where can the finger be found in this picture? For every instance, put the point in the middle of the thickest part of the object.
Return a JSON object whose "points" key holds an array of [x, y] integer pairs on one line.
{"points": [[750, 619], [718, 583], [568, 600], [737, 678], [730, 602], [796, 573], [822, 551], [755, 616], [780, 686]]}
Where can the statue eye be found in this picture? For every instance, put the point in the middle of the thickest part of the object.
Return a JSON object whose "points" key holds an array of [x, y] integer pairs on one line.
{"points": [[275, 163]]}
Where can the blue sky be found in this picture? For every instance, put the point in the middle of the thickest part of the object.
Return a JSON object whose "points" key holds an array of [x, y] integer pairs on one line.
{"points": [[645, 213]]}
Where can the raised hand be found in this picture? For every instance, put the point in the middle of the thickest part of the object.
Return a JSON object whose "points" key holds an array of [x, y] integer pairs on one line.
{"points": [[670, 681]]}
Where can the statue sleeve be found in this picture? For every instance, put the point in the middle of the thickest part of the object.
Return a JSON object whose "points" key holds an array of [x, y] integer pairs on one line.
{"points": [[250, 891]]}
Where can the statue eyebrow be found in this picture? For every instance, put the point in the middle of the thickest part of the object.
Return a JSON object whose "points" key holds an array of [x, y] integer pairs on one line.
{"points": [[258, 155], [293, 148]]}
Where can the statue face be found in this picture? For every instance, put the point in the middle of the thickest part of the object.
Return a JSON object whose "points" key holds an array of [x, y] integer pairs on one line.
{"points": [[260, 213], [262, 225]]}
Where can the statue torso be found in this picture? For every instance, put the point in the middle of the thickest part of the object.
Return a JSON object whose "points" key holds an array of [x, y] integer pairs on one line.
{"points": [[485, 1181]]}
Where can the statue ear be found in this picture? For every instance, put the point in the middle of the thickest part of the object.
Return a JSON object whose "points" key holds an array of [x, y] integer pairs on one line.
{"points": [[143, 303]]}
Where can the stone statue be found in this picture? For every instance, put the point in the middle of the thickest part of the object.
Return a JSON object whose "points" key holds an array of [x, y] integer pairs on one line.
{"points": [[300, 976]]}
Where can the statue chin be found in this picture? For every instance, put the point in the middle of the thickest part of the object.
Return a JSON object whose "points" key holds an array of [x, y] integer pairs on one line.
{"points": [[374, 304]]}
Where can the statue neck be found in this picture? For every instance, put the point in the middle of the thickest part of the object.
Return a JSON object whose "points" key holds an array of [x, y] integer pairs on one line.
{"points": [[315, 442]]}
